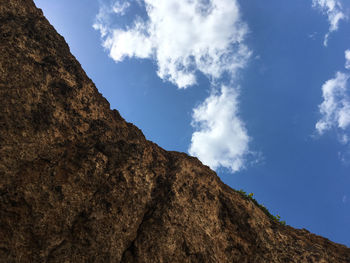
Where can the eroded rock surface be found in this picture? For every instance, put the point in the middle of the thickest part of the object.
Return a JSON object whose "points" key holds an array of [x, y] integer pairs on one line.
{"points": [[80, 184]]}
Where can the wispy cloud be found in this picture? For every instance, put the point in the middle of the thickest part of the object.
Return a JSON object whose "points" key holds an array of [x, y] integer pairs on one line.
{"points": [[184, 38], [334, 10], [347, 59], [335, 108], [120, 7]]}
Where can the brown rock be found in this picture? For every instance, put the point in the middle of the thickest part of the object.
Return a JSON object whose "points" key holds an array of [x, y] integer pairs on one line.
{"points": [[79, 184]]}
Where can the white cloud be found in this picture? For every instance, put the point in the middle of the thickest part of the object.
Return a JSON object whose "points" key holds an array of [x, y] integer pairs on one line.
{"points": [[335, 108], [334, 10], [130, 43], [347, 59], [221, 138], [184, 38]]}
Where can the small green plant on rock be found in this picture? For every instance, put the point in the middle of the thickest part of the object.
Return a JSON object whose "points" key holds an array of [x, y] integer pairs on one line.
{"points": [[249, 196]]}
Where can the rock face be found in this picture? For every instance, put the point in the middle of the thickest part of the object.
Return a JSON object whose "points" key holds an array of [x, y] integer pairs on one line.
{"points": [[80, 184]]}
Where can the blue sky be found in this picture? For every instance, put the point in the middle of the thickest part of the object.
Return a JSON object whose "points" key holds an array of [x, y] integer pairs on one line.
{"points": [[257, 90]]}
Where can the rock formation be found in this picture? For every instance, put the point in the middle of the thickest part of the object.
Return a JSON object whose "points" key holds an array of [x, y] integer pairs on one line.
{"points": [[80, 184]]}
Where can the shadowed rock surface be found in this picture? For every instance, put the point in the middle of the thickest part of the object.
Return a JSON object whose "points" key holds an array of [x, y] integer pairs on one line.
{"points": [[80, 184]]}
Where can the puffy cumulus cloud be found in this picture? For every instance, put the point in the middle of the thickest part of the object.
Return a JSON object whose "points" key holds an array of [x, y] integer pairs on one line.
{"points": [[347, 59], [221, 138], [334, 10], [335, 108], [183, 37], [132, 43], [186, 37]]}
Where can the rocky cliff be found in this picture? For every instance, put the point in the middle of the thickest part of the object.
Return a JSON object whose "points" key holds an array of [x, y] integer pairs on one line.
{"points": [[80, 184]]}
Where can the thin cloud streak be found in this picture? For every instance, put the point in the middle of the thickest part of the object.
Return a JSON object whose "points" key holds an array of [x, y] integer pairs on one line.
{"points": [[334, 11]]}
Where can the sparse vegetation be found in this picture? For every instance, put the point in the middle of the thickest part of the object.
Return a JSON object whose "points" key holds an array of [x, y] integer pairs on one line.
{"points": [[249, 196]]}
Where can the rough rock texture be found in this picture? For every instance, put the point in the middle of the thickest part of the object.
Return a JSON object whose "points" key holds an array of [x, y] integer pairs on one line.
{"points": [[79, 184]]}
